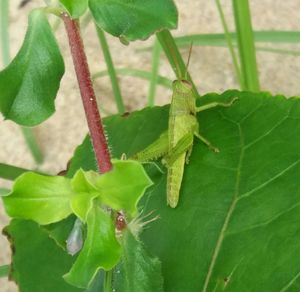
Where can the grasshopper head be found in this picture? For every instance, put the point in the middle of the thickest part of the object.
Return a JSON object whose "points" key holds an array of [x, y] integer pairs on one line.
{"points": [[182, 86]]}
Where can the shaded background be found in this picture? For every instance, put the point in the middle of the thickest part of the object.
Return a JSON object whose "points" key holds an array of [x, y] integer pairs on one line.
{"points": [[211, 69]]}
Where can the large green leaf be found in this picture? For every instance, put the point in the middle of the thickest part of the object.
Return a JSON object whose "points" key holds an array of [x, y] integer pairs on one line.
{"points": [[43, 199], [38, 263], [81, 160], [101, 249], [138, 271], [76, 8], [237, 222], [28, 86], [135, 19]]}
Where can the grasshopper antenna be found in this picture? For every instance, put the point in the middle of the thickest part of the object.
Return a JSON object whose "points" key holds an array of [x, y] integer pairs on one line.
{"points": [[188, 61]]}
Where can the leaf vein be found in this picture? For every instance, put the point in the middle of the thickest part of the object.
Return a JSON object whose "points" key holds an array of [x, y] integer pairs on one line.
{"points": [[289, 284], [228, 216], [247, 194], [267, 132], [276, 216]]}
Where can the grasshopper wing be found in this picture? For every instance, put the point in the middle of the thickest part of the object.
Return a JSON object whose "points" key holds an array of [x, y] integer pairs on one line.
{"points": [[183, 145]]}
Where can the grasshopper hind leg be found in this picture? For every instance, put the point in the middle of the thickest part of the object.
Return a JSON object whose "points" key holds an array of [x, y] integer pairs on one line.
{"points": [[157, 149]]}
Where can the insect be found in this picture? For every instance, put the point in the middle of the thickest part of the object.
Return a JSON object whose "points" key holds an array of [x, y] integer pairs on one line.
{"points": [[176, 144]]}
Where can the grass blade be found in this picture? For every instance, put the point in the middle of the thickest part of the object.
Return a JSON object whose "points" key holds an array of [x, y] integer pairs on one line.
{"points": [[154, 73], [4, 10], [163, 81], [11, 172], [4, 192], [111, 71], [230, 45], [219, 39], [32, 144], [4, 271], [170, 48], [246, 45], [279, 51]]}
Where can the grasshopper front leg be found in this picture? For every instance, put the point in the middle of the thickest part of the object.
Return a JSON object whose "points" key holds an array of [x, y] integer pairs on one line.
{"points": [[215, 104]]}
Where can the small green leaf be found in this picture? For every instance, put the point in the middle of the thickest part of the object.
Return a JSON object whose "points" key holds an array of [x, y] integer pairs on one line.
{"points": [[43, 199], [38, 264], [75, 8], [81, 204], [84, 181], [101, 249], [124, 185], [28, 86], [135, 19], [138, 271], [84, 193]]}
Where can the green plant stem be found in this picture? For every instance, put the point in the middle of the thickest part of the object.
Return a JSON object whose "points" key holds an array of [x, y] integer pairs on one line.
{"points": [[154, 73], [136, 73], [230, 45], [4, 271], [4, 191], [169, 46], [87, 94], [219, 39], [32, 144], [111, 71], [4, 25], [107, 281], [246, 45], [279, 51], [85, 20]]}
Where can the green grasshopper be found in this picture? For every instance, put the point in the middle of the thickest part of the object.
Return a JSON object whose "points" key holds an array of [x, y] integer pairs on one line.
{"points": [[175, 145]]}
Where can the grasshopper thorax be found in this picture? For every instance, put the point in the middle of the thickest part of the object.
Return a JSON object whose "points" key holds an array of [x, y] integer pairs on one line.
{"points": [[183, 100]]}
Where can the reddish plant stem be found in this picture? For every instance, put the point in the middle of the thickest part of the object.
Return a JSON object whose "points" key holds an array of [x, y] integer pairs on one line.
{"points": [[88, 94]]}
